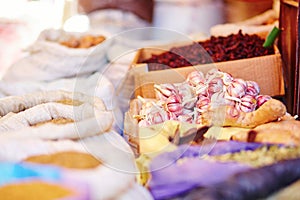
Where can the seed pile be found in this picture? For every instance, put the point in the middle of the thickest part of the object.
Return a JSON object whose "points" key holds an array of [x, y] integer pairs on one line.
{"points": [[261, 156]]}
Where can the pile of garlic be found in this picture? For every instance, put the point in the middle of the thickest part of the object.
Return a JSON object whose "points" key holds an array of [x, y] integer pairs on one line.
{"points": [[188, 100]]}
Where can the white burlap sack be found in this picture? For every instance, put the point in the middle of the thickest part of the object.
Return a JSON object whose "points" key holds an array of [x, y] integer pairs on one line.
{"points": [[49, 60], [114, 179], [20, 112], [94, 85], [254, 25]]}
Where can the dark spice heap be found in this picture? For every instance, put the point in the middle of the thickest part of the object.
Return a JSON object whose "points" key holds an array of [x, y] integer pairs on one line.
{"points": [[216, 49]]}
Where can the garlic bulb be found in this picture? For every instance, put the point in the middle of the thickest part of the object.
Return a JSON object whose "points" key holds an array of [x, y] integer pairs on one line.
{"points": [[195, 77], [247, 104], [237, 88], [252, 88], [261, 99]]}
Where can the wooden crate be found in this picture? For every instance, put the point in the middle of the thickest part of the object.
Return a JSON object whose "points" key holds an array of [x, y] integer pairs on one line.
{"points": [[287, 43]]}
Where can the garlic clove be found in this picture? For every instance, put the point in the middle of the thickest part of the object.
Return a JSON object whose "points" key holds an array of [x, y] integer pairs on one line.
{"points": [[163, 91]]}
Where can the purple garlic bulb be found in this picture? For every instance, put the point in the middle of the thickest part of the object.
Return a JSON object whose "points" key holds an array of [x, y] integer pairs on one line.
{"points": [[158, 117], [227, 78], [219, 99], [201, 89], [261, 99], [173, 104], [203, 102], [213, 73], [215, 85], [237, 88], [247, 104], [185, 118], [187, 95], [163, 91], [232, 111], [252, 88], [195, 77]]}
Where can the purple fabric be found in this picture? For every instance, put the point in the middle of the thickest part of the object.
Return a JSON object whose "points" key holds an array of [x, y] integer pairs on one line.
{"points": [[233, 146], [184, 151], [170, 178]]}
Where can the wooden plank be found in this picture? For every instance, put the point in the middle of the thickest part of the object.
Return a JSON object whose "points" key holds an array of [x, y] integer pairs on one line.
{"points": [[287, 46]]}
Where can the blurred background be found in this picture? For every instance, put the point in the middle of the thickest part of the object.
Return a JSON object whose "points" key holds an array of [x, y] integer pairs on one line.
{"points": [[21, 21]]}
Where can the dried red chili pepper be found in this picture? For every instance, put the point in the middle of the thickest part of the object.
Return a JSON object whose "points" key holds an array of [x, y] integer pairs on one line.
{"points": [[216, 49]]}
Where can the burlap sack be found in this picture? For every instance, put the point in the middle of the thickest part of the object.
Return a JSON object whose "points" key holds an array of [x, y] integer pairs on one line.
{"points": [[88, 115], [49, 60]]}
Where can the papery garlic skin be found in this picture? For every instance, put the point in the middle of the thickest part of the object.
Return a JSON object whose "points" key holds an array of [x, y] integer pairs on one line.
{"points": [[201, 89], [247, 103], [252, 88], [232, 111], [172, 116], [213, 73], [199, 95], [215, 86], [158, 117], [153, 113], [163, 91], [237, 88], [194, 78], [173, 104], [221, 99], [187, 95], [227, 78], [261, 99], [203, 101], [185, 118]]}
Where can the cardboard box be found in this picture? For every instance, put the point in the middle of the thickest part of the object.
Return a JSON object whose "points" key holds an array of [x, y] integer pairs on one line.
{"points": [[157, 138], [131, 128], [265, 70]]}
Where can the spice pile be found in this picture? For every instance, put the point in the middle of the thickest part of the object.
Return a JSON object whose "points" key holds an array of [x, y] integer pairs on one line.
{"points": [[262, 156], [216, 49], [86, 41]]}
